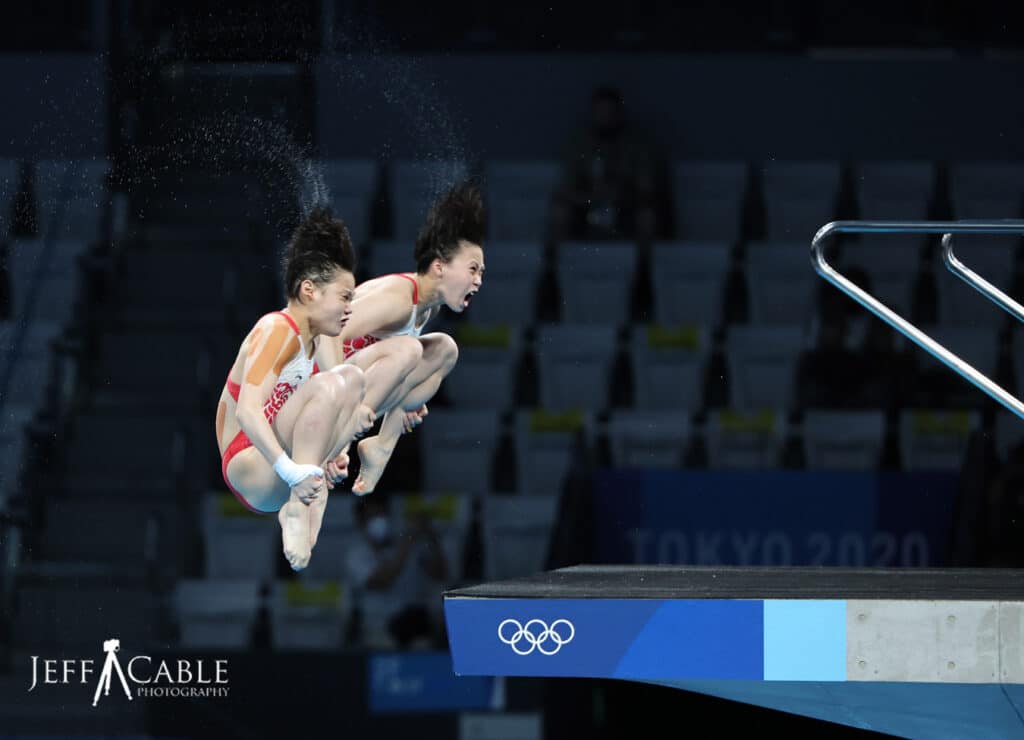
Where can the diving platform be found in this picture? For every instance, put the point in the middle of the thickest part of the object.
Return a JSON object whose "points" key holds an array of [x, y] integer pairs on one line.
{"points": [[912, 652]]}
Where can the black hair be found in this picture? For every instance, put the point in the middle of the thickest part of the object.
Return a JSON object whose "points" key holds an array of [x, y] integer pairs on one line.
{"points": [[319, 246], [457, 215]]}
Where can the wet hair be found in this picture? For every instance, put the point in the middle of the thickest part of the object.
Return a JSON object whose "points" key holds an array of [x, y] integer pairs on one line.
{"points": [[318, 248], [457, 215]]}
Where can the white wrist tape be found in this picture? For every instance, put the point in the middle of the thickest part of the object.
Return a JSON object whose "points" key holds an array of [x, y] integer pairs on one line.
{"points": [[292, 473]]}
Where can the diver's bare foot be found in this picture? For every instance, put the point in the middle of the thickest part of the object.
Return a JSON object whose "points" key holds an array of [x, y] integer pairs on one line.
{"points": [[373, 456], [316, 518], [295, 534]]}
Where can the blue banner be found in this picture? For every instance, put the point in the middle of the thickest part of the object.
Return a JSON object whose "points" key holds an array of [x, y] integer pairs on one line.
{"points": [[424, 682], [774, 517], [649, 639], [620, 638]]}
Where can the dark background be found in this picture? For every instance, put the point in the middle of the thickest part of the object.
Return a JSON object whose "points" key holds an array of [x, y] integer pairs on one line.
{"points": [[202, 114]]}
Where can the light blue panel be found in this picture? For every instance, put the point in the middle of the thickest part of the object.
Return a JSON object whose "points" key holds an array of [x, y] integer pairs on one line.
{"points": [[804, 640]]}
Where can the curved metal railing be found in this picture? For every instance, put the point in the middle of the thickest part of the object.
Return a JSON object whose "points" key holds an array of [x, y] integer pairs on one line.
{"points": [[976, 281], [900, 324]]}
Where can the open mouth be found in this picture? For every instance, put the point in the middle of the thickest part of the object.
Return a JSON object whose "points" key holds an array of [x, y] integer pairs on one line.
{"points": [[468, 299]]}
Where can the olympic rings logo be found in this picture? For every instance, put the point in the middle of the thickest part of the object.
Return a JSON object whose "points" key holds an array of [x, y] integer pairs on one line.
{"points": [[536, 635]]}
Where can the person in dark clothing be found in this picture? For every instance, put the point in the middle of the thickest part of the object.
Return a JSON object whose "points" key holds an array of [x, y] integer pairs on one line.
{"points": [[612, 184]]}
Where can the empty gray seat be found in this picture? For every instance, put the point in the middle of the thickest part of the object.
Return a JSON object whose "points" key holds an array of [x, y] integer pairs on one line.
{"points": [[517, 533], [799, 197], [986, 190], [762, 365], [575, 364], [648, 439], [780, 283], [485, 375], [843, 440], [708, 199], [935, 440], [518, 197], [457, 449], [738, 440], [595, 281], [546, 443], [668, 366], [894, 190], [688, 279]]}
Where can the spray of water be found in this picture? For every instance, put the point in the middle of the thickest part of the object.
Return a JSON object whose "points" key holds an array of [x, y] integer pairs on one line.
{"points": [[364, 66]]}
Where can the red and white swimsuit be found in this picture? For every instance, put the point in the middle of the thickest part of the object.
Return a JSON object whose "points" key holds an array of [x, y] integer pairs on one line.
{"points": [[350, 346], [298, 370]]}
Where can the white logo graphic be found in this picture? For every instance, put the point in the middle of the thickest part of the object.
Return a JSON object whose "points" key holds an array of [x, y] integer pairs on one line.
{"points": [[110, 647], [151, 678], [536, 635]]}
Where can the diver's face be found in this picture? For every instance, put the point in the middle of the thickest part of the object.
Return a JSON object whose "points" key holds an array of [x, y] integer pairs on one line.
{"points": [[462, 277], [330, 308]]}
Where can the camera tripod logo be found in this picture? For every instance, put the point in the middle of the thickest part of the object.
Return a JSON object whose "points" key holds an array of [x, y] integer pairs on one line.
{"points": [[142, 675], [111, 648]]}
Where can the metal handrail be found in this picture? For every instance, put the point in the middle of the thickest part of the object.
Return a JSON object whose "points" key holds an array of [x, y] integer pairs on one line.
{"points": [[976, 281], [897, 322]]}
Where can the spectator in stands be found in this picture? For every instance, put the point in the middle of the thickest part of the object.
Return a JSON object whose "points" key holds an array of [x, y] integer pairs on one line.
{"points": [[398, 577], [613, 181]]}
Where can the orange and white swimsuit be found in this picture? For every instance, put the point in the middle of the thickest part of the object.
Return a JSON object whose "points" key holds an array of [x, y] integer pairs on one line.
{"points": [[350, 346], [296, 372]]}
